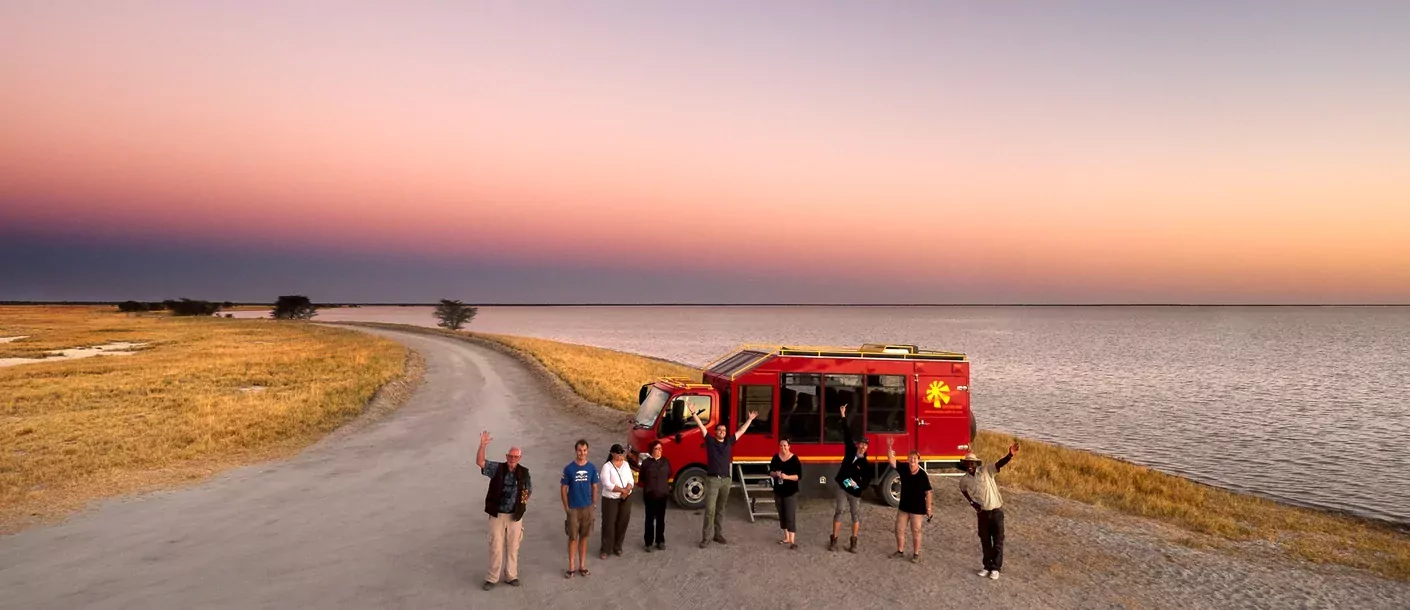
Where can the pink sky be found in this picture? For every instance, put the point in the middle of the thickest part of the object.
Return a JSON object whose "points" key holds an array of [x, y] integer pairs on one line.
{"points": [[1166, 154]]}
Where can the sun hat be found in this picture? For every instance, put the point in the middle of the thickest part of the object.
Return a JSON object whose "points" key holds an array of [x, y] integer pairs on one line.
{"points": [[970, 457]]}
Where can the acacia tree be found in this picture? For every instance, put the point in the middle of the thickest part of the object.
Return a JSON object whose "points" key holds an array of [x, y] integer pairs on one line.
{"points": [[454, 314], [296, 307]]}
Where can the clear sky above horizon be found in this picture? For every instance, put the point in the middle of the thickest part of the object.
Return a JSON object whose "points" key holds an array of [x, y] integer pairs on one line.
{"points": [[935, 152]]}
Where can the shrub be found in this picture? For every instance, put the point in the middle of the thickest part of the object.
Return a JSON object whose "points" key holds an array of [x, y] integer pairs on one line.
{"points": [[454, 314], [295, 307]]}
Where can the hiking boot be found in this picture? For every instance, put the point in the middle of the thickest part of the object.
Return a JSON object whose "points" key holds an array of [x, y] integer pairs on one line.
{"points": [[852, 545], [832, 543], [720, 538], [660, 546], [513, 583], [898, 555], [704, 543], [915, 558], [648, 548], [488, 585]]}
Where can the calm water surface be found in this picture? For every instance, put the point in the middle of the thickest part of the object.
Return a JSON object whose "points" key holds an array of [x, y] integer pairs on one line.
{"points": [[1307, 405]]}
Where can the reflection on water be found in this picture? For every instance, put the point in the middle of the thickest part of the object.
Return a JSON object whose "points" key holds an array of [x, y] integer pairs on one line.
{"points": [[1303, 404]]}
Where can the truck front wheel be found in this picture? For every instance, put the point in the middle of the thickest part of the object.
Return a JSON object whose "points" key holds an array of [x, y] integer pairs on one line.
{"points": [[689, 491], [889, 490]]}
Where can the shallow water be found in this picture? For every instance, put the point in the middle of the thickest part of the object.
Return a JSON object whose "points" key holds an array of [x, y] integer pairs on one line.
{"points": [[1304, 404]]}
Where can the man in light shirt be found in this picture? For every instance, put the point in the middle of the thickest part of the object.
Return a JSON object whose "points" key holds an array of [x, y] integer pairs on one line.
{"points": [[979, 487]]}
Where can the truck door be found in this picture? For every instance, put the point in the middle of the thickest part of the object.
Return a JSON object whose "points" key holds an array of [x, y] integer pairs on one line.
{"points": [[942, 409]]}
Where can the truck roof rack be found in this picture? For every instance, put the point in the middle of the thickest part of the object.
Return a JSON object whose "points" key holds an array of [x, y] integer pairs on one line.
{"points": [[745, 357]]}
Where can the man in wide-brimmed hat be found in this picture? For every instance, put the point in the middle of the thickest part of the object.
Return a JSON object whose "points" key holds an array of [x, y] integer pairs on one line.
{"points": [[979, 487]]}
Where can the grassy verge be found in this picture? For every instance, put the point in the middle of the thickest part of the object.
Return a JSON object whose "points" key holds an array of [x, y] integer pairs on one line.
{"points": [[203, 395], [611, 379]]}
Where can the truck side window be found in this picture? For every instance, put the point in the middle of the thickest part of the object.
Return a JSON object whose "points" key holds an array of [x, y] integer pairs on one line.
{"points": [[886, 403], [757, 398], [841, 390], [799, 414]]}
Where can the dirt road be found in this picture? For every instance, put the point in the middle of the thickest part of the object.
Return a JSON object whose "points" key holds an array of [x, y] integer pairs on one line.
{"points": [[391, 517]]}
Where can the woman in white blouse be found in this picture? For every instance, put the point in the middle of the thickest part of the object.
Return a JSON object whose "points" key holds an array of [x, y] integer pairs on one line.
{"points": [[617, 487]]}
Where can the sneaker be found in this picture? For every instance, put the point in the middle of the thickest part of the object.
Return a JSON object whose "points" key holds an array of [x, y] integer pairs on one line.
{"points": [[720, 538], [915, 558], [648, 548], [994, 575], [660, 546], [488, 585], [513, 582], [704, 543], [984, 573], [898, 555]]}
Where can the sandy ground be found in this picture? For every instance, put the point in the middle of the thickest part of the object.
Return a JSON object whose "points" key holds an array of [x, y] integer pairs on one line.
{"points": [[390, 516]]}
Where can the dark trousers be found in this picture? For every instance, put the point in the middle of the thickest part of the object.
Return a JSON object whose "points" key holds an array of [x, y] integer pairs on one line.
{"points": [[787, 512], [991, 538], [655, 521], [616, 515]]}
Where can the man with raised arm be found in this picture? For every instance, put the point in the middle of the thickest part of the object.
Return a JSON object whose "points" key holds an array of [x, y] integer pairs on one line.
{"points": [[915, 500], [853, 476], [581, 487], [979, 487], [505, 501], [719, 449]]}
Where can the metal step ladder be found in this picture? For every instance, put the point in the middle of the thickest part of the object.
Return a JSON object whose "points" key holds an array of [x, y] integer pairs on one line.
{"points": [[755, 476]]}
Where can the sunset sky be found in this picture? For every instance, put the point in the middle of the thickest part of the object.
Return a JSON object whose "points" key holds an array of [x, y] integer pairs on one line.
{"points": [[828, 152]]}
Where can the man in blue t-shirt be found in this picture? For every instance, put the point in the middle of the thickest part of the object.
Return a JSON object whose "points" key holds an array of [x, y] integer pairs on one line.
{"points": [[580, 490]]}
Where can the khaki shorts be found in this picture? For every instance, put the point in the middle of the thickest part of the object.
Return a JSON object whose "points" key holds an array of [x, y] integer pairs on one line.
{"points": [[578, 526]]}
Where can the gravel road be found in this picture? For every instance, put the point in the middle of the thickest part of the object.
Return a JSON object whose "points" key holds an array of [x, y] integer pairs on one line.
{"points": [[390, 516]]}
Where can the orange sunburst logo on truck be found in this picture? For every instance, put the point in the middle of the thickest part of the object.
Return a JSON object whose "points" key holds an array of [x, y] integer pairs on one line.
{"points": [[938, 393]]}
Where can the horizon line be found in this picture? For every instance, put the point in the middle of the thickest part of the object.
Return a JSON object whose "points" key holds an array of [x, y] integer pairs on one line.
{"points": [[671, 304]]}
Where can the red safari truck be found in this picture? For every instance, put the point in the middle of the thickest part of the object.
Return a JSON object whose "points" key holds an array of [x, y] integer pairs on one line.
{"points": [[918, 398]]}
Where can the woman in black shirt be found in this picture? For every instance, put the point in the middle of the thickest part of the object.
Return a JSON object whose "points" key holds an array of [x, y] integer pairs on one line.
{"points": [[915, 500], [786, 470]]}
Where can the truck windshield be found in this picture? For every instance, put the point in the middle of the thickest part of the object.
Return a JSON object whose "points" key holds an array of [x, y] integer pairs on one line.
{"points": [[651, 407]]}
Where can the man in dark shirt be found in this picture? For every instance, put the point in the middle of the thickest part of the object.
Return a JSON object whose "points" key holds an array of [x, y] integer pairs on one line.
{"points": [[853, 476], [719, 450], [915, 500], [505, 502]]}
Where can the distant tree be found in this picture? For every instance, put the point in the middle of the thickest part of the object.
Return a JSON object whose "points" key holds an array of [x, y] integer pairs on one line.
{"points": [[133, 307], [454, 314], [295, 307], [188, 307], [226, 305], [156, 306]]}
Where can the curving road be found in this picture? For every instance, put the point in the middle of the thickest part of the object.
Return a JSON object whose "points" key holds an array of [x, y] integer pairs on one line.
{"points": [[391, 516]]}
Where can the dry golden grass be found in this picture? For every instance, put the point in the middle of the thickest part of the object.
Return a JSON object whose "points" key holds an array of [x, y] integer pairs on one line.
{"points": [[607, 377], [611, 378], [183, 407]]}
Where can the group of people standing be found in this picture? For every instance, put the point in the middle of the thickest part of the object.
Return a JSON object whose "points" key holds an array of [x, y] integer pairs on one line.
{"points": [[583, 484]]}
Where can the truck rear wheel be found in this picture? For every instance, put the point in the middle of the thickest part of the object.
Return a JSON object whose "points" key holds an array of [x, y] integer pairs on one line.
{"points": [[689, 491], [889, 490]]}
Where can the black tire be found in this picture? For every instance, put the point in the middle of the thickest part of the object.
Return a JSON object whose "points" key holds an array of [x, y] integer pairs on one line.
{"points": [[889, 489], [689, 489]]}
